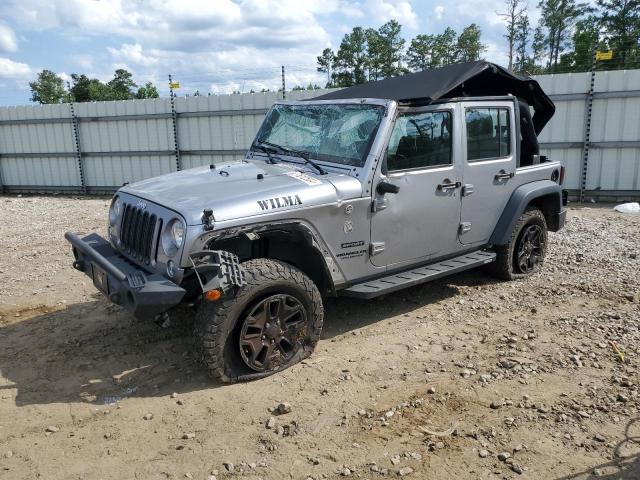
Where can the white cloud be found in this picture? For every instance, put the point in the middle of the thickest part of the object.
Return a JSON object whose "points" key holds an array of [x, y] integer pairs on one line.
{"points": [[8, 42], [83, 61], [481, 11], [496, 53], [439, 11], [11, 69], [182, 25], [400, 10], [133, 54]]}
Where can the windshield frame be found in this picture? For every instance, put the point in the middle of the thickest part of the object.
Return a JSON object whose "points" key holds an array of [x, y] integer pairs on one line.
{"points": [[355, 164]]}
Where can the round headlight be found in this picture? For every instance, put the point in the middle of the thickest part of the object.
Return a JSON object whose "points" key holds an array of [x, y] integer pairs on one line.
{"points": [[173, 237], [115, 210], [177, 233]]}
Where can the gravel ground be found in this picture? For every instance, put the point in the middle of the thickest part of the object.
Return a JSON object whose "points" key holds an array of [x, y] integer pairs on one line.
{"points": [[465, 377]]}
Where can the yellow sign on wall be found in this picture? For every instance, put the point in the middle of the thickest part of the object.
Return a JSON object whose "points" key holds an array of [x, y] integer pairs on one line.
{"points": [[608, 55], [174, 85]]}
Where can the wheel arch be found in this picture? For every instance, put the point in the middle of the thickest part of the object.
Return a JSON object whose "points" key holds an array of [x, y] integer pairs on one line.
{"points": [[544, 194], [294, 243]]}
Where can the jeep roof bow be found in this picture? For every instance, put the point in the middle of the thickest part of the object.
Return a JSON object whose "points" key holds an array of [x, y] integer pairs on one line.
{"points": [[471, 79]]}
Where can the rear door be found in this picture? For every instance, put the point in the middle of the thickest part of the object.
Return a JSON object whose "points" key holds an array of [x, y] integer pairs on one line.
{"points": [[421, 220], [489, 165]]}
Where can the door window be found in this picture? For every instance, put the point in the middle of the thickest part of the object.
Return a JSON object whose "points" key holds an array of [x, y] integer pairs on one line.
{"points": [[420, 140], [488, 133]]}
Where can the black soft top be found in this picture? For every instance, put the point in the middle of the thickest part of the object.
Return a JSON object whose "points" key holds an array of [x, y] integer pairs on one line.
{"points": [[472, 79]]}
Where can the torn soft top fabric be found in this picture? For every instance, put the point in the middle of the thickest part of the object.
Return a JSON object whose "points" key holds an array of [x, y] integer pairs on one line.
{"points": [[470, 79]]}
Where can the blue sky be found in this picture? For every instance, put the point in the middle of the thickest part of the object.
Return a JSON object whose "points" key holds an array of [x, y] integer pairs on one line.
{"points": [[208, 45]]}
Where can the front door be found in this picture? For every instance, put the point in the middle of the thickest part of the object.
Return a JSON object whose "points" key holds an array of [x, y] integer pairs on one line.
{"points": [[421, 220], [490, 163]]}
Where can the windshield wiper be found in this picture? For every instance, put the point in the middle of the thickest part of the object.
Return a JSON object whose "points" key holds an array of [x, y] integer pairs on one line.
{"points": [[291, 151], [267, 151]]}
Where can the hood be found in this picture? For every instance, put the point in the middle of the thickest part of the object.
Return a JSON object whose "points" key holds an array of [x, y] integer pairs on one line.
{"points": [[243, 189]]}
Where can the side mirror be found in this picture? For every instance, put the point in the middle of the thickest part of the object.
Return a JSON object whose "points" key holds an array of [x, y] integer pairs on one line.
{"points": [[386, 187]]}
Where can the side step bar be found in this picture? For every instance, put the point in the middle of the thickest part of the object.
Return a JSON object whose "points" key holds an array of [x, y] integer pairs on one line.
{"points": [[415, 276]]}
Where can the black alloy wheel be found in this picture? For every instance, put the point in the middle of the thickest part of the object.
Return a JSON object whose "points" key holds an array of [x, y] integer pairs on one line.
{"points": [[272, 332], [530, 249]]}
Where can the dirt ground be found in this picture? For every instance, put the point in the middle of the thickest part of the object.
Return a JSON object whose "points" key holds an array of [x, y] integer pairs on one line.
{"points": [[462, 378]]}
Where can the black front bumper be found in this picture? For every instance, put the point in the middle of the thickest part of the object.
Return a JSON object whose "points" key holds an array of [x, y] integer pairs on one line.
{"points": [[144, 294]]}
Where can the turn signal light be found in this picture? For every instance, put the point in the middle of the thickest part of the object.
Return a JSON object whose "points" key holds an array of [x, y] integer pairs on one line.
{"points": [[213, 295]]}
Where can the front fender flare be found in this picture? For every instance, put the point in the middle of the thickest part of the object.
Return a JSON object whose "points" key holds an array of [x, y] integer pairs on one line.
{"points": [[331, 266], [520, 199]]}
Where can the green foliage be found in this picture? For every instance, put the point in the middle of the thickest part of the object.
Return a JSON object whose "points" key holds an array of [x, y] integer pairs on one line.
{"points": [[48, 88], [149, 90], [80, 90], [469, 48], [585, 37], [522, 61], [122, 85], [351, 62], [620, 24], [557, 20], [384, 49], [446, 47], [433, 51], [421, 54], [325, 63]]}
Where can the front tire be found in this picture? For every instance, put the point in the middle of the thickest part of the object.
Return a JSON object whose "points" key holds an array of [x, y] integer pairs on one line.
{"points": [[272, 323], [527, 247]]}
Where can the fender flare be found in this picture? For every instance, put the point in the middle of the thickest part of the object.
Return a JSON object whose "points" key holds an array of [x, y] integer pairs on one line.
{"points": [[331, 267], [520, 199]]}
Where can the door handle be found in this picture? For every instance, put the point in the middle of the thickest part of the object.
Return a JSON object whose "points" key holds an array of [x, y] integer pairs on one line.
{"points": [[448, 185], [502, 175]]}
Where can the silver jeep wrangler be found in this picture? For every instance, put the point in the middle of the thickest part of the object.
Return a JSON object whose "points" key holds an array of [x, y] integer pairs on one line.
{"points": [[361, 192]]}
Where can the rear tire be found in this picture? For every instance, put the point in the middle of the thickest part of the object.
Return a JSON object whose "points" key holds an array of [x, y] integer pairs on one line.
{"points": [[525, 252], [273, 322]]}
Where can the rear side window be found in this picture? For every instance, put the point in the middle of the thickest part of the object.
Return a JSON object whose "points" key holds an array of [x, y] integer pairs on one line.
{"points": [[488, 133], [420, 140]]}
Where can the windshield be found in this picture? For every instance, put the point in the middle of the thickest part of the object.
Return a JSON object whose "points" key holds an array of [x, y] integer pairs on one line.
{"points": [[338, 133]]}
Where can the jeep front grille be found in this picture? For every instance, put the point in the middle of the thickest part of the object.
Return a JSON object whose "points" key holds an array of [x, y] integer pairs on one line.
{"points": [[138, 233]]}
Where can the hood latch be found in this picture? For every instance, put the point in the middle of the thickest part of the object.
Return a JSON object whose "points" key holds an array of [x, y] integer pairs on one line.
{"points": [[207, 219]]}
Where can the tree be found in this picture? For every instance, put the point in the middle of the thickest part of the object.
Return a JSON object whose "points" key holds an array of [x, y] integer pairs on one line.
{"points": [[445, 47], [101, 92], [585, 37], [122, 85], [620, 21], [80, 90], [513, 14], [557, 18], [48, 88], [385, 48], [351, 60], [522, 61], [469, 47], [433, 51], [538, 46], [149, 90], [325, 63], [421, 53]]}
